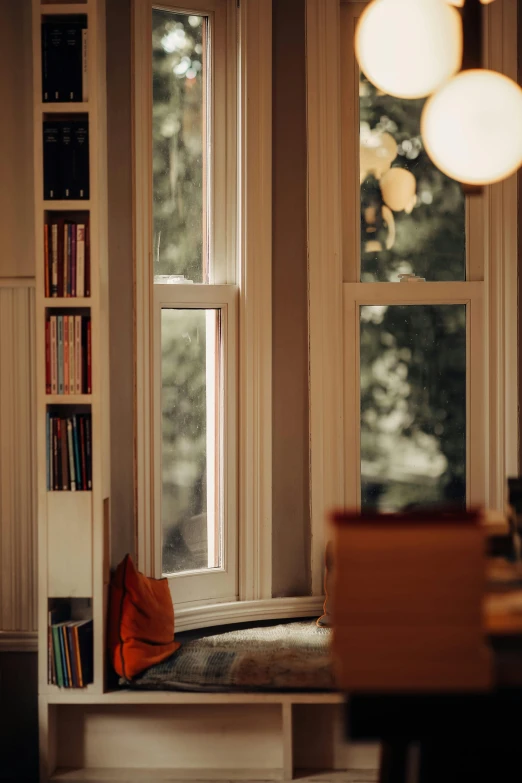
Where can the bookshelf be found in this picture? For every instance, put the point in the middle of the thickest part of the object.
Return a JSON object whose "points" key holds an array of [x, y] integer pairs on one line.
{"points": [[73, 518]]}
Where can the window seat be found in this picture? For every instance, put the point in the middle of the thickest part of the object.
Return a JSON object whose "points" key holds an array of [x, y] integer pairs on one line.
{"points": [[292, 656]]}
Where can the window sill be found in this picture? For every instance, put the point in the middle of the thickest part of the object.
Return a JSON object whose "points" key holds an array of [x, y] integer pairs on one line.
{"points": [[191, 617]]}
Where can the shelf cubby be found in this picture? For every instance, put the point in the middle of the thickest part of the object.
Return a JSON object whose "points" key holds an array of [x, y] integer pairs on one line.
{"points": [[70, 642]]}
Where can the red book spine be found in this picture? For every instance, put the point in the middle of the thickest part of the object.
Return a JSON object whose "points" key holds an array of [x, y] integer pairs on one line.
{"points": [[87, 259], [47, 357], [47, 269], [73, 259], [61, 252], [89, 365]]}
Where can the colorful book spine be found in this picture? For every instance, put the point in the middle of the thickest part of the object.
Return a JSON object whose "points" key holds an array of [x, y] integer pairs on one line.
{"points": [[70, 446], [54, 257], [47, 357], [47, 278], [65, 354], [80, 260], [59, 323], [54, 354], [78, 353]]}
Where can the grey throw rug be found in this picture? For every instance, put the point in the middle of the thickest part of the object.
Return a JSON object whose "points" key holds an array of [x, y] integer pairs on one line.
{"points": [[290, 656]]}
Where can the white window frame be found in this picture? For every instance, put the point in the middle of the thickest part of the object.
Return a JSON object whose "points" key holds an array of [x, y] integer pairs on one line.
{"points": [[241, 285], [333, 423]]}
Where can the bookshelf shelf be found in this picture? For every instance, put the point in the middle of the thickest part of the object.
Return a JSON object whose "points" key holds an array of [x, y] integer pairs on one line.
{"points": [[68, 399], [73, 442], [65, 9], [66, 206], [69, 301], [65, 108]]}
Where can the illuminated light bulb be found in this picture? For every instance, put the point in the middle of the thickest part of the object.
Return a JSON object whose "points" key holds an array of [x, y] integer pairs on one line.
{"points": [[472, 127], [408, 48], [399, 188]]}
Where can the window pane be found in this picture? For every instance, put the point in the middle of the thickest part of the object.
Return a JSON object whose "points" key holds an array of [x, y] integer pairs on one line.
{"points": [[413, 406], [179, 159], [191, 483], [412, 216]]}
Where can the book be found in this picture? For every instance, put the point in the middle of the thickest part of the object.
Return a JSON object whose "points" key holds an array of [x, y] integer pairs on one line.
{"points": [[56, 475], [70, 448], [67, 160], [73, 61], [85, 634], [73, 261], [47, 357], [57, 656], [71, 354], [47, 269], [87, 261], [54, 259], [65, 354], [72, 655], [80, 184], [88, 448], [83, 450], [64, 457], [64, 59], [78, 353], [77, 654], [51, 160], [59, 324], [88, 357], [80, 260], [85, 72], [54, 354], [77, 459], [65, 643], [47, 438]]}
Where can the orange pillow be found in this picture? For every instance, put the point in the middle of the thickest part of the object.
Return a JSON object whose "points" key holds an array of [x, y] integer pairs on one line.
{"points": [[141, 621]]}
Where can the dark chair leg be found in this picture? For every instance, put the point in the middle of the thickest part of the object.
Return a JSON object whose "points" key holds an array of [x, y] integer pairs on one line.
{"points": [[394, 760]]}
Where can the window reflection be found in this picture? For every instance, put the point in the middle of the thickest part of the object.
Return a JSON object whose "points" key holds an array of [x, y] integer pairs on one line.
{"points": [[413, 406], [412, 215]]}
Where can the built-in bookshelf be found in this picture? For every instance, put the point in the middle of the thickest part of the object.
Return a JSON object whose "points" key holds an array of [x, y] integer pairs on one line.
{"points": [[72, 346]]}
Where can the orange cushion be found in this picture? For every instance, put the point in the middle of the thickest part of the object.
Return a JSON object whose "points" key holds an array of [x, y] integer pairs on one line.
{"points": [[141, 620]]}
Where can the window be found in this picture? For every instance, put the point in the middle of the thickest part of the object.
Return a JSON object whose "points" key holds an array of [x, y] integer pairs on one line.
{"points": [[189, 277], [413, 297]]}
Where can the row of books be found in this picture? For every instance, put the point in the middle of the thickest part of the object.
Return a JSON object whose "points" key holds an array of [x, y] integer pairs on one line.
{"points": [[68, 354], [66, 159], [69, 453], [64, 59], [67, 259], [70, 645]]}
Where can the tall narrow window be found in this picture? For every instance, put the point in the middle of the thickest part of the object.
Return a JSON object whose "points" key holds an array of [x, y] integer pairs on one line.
{"points": [[194, 301], [413, 298]]}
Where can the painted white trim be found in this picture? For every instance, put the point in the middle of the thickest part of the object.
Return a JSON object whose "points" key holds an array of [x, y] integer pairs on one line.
{"points": [[249, 217], [324, 271], [18, 641], [220, 582], [188, 618], [470, 294], [17, 282], [255, 308], [501, 218]]}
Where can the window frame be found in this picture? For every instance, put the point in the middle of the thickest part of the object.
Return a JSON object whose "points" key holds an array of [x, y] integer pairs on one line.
{"points": [[245, 269], [331, 418], [222, 583]]}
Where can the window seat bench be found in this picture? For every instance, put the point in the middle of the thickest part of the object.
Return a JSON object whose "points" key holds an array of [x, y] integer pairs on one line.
{"points": [[237, 705]]}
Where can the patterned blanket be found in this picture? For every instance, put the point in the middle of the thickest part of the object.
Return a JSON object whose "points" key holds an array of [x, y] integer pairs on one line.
{"points": [[290, 656]]}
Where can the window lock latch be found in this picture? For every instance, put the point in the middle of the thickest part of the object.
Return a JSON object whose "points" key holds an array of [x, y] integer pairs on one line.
{"points": [[409, 278]]}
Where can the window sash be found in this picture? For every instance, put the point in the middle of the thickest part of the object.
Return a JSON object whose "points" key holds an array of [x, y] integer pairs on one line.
{"points": [[220, 583], [470, 294]]}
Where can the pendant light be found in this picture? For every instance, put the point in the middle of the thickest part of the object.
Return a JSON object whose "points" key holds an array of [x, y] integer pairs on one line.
{"points": [[408, 48], [472, 127]]}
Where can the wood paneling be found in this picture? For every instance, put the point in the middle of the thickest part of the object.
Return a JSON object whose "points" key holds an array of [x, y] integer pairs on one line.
{"points": [[17, 471], [290, 500]]}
